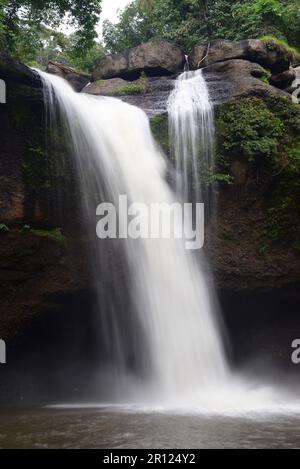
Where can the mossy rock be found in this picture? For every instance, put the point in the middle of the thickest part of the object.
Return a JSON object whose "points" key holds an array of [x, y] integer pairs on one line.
{"points": [[131, 89], [160, 129], [118, 87], [264, 133]]}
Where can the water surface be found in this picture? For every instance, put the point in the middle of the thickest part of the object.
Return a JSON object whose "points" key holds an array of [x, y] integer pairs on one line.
{"points": [[114, 428]]}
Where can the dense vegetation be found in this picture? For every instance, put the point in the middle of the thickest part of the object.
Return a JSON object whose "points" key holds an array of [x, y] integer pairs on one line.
{"points": [[265, 132], [29, 29], [191, 21]]}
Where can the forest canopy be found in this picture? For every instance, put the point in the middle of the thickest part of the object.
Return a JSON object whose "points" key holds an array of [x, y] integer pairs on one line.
{"points": [[192, 21], [30, 29]]}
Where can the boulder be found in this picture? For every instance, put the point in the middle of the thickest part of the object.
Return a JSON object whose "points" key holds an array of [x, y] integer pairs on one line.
{"points": [[13, 71], [150, 94], [234, 78], [109, 87], [268, 54], [78, 80], [283, 80], [154, 58]]}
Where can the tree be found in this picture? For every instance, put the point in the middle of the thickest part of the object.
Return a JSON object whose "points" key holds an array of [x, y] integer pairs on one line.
{"points": [[188, 22], [134, 27], [23, 20]]}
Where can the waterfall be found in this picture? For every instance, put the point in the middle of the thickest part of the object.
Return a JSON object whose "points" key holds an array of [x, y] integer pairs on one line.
{"points": [[170, 328], [192, 136]]}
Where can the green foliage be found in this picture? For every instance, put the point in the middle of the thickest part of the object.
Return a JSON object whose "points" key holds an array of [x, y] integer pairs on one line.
{"points": [[132, 89], [265, 132], [284, 216], [160, 129], [277, 18], [54, 235], [248, 129], [192, 21], [23, 30], [219, 177], [35, 169], [3, 228], [281, 42], [265, 77], [56, 46]]}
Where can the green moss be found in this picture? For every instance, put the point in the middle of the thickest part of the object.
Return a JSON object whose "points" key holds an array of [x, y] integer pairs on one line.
{"points": [[248, 129], [265, 131], [284, 215], [273, 41], [35, 169], [131, 89], [3, 228], [54, 235], [222, 178], [160, 129], [265, 76]]}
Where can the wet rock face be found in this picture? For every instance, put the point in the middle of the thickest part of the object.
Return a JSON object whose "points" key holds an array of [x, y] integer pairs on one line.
{"points": [[235, 78], [77, 80], [284, 80], [265, 53], [155, 58], [109, 87], [34, 167], [150, 94], [13, 71], [20, 121], [36, 274]]}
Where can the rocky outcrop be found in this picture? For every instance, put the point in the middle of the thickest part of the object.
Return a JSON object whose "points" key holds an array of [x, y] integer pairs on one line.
{"points": [[33, 166], [268, 54], [150, 94], [20, 121], [235, 78], [37, 273], [284, 80], [155, 58], [13, 71], [78, 80], [242, 254], [109, 87]]}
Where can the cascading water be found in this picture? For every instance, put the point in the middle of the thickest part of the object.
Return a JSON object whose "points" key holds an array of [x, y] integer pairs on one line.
{"points": [[182, 352], [192, 137], [177, 343]]}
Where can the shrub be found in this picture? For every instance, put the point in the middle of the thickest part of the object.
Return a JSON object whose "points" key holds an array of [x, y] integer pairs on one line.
{"points": [[131, 89], [248, 129]]}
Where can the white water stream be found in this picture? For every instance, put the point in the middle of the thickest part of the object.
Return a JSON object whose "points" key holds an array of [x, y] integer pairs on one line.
{"points": [[182, 356]]}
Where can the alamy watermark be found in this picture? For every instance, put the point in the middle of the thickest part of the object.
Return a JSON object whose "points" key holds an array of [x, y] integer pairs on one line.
{"points": [[296, 353], [152, 221], [2, 352], [2, 92]]}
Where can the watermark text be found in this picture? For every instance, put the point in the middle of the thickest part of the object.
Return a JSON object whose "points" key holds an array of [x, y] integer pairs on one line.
{"points": [[154, 221]]}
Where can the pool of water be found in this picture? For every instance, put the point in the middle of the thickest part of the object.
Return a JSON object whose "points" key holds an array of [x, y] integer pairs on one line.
{"points": [[114, 427]]}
